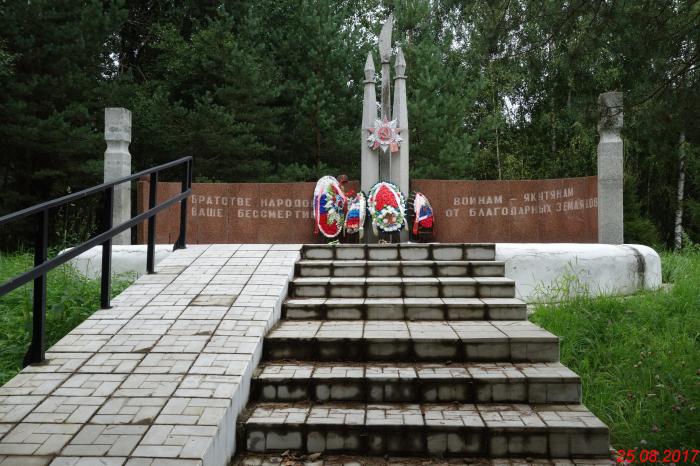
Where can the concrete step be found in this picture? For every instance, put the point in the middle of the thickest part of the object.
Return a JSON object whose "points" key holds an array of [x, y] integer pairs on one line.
{"points": [[403, 251], [407, 287], [291, 381], [304, 459], [400, 341], [404, 309], [493, 430], [399, 268]]}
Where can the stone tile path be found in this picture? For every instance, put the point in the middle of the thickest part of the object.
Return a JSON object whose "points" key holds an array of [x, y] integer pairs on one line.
{"points": [[160, 378]]}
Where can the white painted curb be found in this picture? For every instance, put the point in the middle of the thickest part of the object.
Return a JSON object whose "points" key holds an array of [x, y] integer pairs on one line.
{"points": [[542, 271], [551, 271], [125, 259]]}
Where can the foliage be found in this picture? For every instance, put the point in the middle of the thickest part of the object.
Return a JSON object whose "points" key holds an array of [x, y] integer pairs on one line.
{"points": [[49, 104], [71, 298], [271, 91], [638, 357]]}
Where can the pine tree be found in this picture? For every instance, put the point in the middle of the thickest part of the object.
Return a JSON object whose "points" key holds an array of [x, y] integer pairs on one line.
{"points": [[320, 50], [50, 107], [209, 93]]}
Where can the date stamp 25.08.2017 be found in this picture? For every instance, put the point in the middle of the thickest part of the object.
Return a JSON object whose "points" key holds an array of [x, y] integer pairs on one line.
{"points": [[658, 456]]}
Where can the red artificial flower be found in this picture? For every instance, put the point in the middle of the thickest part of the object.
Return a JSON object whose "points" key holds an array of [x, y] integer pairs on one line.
{"points": [[384, 198]]}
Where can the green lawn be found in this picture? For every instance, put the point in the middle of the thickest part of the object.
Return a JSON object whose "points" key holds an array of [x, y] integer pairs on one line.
{"points": [[638, 357], [71, 299]]}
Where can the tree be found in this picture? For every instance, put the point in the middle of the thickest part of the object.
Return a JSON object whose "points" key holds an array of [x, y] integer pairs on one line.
{"points": [[50, 107], [210, 94], [271, 91]]}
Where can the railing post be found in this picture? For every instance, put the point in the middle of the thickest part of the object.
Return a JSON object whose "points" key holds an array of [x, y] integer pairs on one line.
{"points": [[181, 242], [108, 211], [35, 354], [151, 251]]}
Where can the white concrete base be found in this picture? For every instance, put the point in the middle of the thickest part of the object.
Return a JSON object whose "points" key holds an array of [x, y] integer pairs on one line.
{"points": [[542, 271], [125, 259], [553, 271]]}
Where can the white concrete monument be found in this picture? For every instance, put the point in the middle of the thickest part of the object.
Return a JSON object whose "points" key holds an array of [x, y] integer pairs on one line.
{"points": [[369, 163], [384, 152], [118, 164], [399, 160], [610, 169]]}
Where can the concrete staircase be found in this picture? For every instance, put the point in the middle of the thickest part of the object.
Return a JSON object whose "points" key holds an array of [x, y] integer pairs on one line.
{"points": [[413, 350]]}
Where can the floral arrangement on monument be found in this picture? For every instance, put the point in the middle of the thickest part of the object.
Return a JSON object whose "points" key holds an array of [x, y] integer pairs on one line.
{"points": [[387, 207], [356, 213], [329, 207], [420, 215]]}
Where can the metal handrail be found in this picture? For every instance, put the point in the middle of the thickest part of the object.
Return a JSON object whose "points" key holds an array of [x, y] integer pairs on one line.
{"points": [[42, 265], [87, 192]]}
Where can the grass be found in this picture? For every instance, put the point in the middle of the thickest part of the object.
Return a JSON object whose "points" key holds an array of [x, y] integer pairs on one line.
{"points": [[71, 298], [638, 357]]}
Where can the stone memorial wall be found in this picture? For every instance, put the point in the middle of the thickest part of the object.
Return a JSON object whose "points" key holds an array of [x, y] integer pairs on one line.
{"points": [[236, 213], [560, 210], [514, 211]]}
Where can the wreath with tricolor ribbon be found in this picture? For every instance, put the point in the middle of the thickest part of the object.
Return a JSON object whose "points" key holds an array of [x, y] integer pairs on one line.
{"points": [[329, 207]]}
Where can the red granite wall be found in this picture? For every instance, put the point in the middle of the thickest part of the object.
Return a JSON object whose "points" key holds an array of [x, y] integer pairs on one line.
{"points": [[528, 211], [560, 210]]}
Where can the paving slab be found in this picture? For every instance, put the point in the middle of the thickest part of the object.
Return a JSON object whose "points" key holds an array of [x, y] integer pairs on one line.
{"points": [[158, 379], [494, 430], [312, 381], [399, 340], [398, 308]]}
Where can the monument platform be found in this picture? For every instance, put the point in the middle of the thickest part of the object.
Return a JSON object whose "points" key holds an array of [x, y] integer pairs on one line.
{"points": [[394, 350]]}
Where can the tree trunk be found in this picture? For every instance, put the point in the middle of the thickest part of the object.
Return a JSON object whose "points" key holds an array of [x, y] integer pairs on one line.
{"points": [[317, 135], [553, 139], [496, 109], [317, 131], [678, 230], [498, 156]]}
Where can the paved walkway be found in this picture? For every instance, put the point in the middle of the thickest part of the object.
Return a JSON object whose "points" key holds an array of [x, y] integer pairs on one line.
{"points": [[158, 379]]}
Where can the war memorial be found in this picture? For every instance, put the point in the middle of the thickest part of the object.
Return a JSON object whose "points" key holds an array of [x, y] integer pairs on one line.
{"points": [[269, 344]]}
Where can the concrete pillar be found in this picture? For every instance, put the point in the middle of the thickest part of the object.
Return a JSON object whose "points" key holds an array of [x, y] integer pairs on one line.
{"points": [[610, 169], [399, 160], [369, 160], [118, 164]]}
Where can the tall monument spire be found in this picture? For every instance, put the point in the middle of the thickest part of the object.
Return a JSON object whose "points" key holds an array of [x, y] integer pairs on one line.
{"points": [[399, 64], [399, 160], [385, 56], [384, 142], [369, 68], [369, 164]]}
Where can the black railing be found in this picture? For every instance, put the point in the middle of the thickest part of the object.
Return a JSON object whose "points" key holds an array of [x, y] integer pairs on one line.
{"points": [[42, 265]]}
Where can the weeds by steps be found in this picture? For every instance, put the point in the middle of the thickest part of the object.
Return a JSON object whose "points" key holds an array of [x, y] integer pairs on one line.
{"points": [[638, 357], [567, 286], [71, 298]]}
